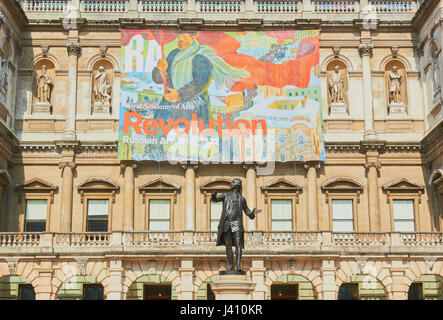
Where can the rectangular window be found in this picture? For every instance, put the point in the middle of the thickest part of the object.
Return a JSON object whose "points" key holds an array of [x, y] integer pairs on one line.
{"points": [[281, 215], [92, 292], [159, 214], [342, 215], [403, 215], [35, 220], [97, 220], [216, 211]]}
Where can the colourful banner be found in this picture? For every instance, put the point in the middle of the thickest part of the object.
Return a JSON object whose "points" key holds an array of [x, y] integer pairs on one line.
{"points": [[220, 96]]}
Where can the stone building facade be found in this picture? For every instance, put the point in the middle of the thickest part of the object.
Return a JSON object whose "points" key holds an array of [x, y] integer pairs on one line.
{"points": [[384, 159]]}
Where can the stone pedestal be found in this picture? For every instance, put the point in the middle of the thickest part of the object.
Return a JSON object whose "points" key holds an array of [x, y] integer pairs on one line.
{"points": [[41, 107], [101, 107], [396, 108], [338, 108], [232, 287]]}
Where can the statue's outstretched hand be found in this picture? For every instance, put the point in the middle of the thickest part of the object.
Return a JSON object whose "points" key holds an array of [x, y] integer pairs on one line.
{"points": [[213, 194]]}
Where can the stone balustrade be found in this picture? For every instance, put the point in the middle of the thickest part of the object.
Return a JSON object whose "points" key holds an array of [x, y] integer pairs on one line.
{"points": [[322, 6], [203, 242], [161, 6], [104, 5], [46, 6], [211, 6], [405, 6], [221, 9], [276, 6]]}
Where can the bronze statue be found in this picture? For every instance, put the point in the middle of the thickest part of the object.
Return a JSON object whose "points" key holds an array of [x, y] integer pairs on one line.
{"points": [[230, 227]]}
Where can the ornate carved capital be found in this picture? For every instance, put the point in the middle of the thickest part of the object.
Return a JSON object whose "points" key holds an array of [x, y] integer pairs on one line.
{"points": [[74, 48], [190, 166], [63, 165], [373, 163], [365, 49], [12, 266], [247, 166], [314, 164], [126, 164]]}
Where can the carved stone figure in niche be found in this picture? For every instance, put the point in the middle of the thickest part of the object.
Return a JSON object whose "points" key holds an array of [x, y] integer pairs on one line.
{"points": [[4, 73], [102, 88], [44, 84], [336, 85], [394, 86]]}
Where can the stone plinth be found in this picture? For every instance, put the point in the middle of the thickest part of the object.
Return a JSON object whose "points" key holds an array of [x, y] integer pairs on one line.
{"points": [[232, 287], [397, 108], [101, 107], [338, 108], [41, 107]]}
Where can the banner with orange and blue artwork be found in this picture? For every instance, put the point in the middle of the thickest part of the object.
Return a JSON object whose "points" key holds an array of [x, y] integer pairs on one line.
{"points": [[220, 96]]}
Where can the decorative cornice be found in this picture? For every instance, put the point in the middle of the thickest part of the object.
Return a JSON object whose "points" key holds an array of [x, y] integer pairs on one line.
{"points": [[432, 138]]}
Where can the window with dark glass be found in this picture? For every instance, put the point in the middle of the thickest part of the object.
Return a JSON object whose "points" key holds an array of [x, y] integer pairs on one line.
{"points": [[284, 292], [35, 218], [157, 292], [26, 292], [415, 291], [92, 292], [348, 291], [97, 220], [210, 293]]}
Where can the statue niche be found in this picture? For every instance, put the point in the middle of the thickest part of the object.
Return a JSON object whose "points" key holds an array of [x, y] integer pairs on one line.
{"points": [[395, 78], [102, 77], [337, 87], [44, 76]]}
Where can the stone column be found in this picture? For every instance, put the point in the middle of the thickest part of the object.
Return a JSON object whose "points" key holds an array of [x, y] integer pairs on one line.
{"points": [[190, 196], [373, 165], [186, 284], [312, 198], [128, 194], [74, 51], [113, 284], [365, 53], [251, 196], [258, 277], [67, 188], [328, 286]]}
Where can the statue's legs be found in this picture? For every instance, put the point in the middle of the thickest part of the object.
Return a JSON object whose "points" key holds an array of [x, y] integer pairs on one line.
{"points": [[238, 249], [229, 253]]}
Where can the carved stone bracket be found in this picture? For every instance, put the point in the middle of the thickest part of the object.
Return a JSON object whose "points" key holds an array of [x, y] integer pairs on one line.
{"points": [[103, 49], [45, 49], [74, 48], [365, 49], [336, 51], [12, 266], [394, 51]]}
